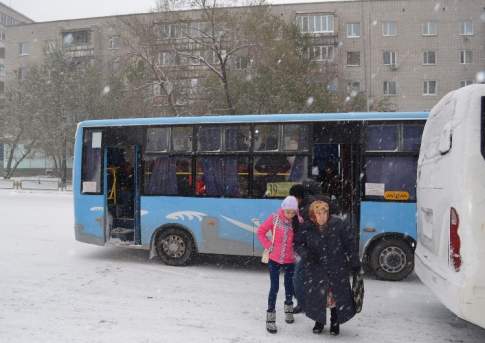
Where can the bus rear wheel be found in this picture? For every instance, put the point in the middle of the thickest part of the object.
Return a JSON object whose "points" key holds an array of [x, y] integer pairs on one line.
{"points": [[174, 246], [392, 259]]}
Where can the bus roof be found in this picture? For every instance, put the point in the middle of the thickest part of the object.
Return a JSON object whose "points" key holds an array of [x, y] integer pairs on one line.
{"points": [[259, 118]]}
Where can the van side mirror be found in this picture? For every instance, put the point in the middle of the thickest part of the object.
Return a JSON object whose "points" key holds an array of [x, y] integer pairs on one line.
{"points": [[445, 139]]}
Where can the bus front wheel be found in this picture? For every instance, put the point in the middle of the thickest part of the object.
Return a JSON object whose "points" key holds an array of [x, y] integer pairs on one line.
{"points": [[392, 259], [174, 246]]}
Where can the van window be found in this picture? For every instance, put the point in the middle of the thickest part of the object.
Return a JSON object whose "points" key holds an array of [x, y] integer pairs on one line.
{"points": [[438, 119]]}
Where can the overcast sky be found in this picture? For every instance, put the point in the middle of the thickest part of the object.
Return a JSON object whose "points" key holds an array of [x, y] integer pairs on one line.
{"points": [[46, 10]]}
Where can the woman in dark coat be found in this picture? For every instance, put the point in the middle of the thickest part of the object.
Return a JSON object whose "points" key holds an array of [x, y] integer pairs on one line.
{"points": [[329, 251]]}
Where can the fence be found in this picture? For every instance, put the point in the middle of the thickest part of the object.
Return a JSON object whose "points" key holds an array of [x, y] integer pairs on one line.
{"points": [[7, 184], [34, 184]]}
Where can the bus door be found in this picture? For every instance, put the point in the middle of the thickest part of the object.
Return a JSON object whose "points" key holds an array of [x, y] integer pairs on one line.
{"points": [[123, 194], [335, 166]]}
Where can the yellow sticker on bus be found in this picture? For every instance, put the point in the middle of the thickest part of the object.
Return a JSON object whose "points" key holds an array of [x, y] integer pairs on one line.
{"points": [[396, 195], [278, 189]]}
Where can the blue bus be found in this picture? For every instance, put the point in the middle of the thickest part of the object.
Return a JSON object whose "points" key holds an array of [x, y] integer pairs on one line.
{"points": [[180, 186]]}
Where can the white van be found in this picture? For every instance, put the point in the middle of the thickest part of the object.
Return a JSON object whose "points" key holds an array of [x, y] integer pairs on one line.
{"points": [[450, 252]]}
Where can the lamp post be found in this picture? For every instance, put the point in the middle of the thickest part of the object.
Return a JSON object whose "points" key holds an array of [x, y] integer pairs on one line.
{"points": [[64, 162]]}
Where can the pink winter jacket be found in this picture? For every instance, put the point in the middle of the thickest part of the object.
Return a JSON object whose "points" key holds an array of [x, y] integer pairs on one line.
{"points": [[282, 251]]}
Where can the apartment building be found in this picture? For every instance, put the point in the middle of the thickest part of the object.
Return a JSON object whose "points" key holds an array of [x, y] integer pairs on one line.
{"points": [[8, 18], [410, 52]]}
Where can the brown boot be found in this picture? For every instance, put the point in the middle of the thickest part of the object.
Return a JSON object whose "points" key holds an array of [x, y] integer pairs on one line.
{"points": [[271, 322]]}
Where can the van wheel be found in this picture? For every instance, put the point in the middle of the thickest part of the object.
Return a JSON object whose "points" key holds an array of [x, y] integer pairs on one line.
{"points": [[392, 259], [174, 246]]}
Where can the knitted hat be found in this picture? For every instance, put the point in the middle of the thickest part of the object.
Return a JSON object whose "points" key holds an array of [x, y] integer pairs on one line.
{"points": [[290, 203]]}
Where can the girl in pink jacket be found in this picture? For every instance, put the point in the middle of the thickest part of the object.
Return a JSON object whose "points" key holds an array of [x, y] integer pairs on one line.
{"points": [[280, 257]]}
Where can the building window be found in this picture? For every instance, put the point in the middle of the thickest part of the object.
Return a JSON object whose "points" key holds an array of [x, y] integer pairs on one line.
{"points": [[7, 20], [76, 38], [430, 28], [332, 86], [389, 57], [321, 53], [466, 56], [466, 28], [353, 58], [21, 73], [429, 57], [170, 30], [2, 35], [197, 29], [353, 30], [114, 42], [390, 88], [2, 70], [353, 87], [389, 28], [157, 90], [24, 48], [2, 87], [2, 52], [464, 83], [429, 87], [167, 58], [319, 23], [240, 62]]}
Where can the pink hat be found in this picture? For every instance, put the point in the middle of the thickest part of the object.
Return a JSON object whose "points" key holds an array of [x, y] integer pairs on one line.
{"points": [[290, 203]]}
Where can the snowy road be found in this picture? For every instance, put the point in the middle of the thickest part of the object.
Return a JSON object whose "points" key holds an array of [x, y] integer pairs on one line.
{"points": [[54, 289]]}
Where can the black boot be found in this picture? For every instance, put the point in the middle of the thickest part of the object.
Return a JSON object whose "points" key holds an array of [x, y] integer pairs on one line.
{"points": [[318, 328], [334, 324]]}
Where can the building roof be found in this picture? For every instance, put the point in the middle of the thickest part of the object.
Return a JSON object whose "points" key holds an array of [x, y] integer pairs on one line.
{"points": [[2, 5]]}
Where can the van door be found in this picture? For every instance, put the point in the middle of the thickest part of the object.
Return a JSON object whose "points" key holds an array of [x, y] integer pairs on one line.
{"points": [[123, 193]]}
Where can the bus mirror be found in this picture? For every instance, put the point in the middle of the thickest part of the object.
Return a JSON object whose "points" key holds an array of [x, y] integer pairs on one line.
{"points": [[445, 139]]}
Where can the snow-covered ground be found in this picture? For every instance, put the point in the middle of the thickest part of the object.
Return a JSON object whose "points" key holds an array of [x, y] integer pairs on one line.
{"points": [[55, 289]]}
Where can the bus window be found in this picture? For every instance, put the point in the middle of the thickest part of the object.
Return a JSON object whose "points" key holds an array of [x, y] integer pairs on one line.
{"points": [[396, 173], [273, 172], [266, 137], [157, 139], [382, 138], [209, 138], [412, 137], [91, 166], [237, 138], [295, 137], [222, 176], [182, 139], [166, 175]]}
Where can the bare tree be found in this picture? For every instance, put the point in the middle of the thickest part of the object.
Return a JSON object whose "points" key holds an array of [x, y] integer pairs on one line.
{"points": [[18, 118]]}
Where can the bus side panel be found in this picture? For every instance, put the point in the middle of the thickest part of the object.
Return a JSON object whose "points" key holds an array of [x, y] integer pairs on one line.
{"points": [[218, 225], [377, 217], [89, 219]]}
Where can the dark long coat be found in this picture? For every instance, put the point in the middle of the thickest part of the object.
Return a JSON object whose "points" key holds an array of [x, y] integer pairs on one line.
{"points": [[330, 254]]}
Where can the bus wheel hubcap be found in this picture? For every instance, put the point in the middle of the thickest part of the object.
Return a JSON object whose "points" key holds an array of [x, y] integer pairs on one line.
{"points": [[173, 246], [392, 259]]}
